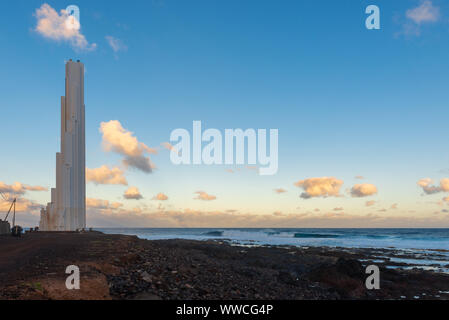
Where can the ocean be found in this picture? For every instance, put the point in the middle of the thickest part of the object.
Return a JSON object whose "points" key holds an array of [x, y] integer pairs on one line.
{"points": [[410, 248], [437, 239]]}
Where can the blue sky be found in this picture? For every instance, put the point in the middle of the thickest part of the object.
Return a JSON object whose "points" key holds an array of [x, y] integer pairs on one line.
{"points": [[347, 102]]}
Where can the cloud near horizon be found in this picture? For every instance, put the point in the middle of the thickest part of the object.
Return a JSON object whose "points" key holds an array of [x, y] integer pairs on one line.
{"points": [[106, 175], [320, 187], [370, 203], [61, 27], [132, 193], [22, 205], [18, 188], [160, 196], [119, 140], [428, 188], [190, 218], [102, 204], [204, 196], [363, 190]]}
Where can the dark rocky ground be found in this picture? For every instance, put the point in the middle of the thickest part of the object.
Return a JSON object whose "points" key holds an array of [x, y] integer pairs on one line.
{"points": [[125, 267]]}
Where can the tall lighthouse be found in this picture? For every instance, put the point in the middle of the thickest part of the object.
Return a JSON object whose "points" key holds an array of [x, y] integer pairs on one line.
{"points": [[67, 209]]}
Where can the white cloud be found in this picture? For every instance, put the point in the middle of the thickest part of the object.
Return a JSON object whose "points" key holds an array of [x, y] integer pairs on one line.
{"points": [[18, 188], [132, 194], [22, 205], [280, 190], [122, 141], [168, 146], [320, 187], [102, 204], [204, 196], [428, 188], [370, 203], [191, 218], [363, 190], [160, 197], [444, 184], [61, 27], [116, 44], [424, 182], [106, 175], [426, 12]]}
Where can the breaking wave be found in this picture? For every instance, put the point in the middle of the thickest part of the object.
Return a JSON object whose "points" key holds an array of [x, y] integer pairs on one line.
{"points": [[215, 233], [315, 235]]}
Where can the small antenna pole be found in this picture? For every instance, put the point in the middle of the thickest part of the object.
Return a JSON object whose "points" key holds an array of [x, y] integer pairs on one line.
{"points": [[14, 216]]}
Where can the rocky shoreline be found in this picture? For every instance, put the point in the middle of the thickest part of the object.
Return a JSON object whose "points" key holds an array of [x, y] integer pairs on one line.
{"points": [[125, 267]]}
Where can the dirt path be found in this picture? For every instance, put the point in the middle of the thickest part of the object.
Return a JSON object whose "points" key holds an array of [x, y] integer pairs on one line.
{"points": [[125, 267]]}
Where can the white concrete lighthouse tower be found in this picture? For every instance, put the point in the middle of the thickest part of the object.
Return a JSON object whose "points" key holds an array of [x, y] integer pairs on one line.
{"points": [[67, 209]]}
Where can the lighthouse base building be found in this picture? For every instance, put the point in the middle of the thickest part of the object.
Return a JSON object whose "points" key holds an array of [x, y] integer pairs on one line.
{"points": [[67, 209]]}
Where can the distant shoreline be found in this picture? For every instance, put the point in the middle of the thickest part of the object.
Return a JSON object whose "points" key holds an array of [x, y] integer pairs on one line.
{"points": [[126, 267]]}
